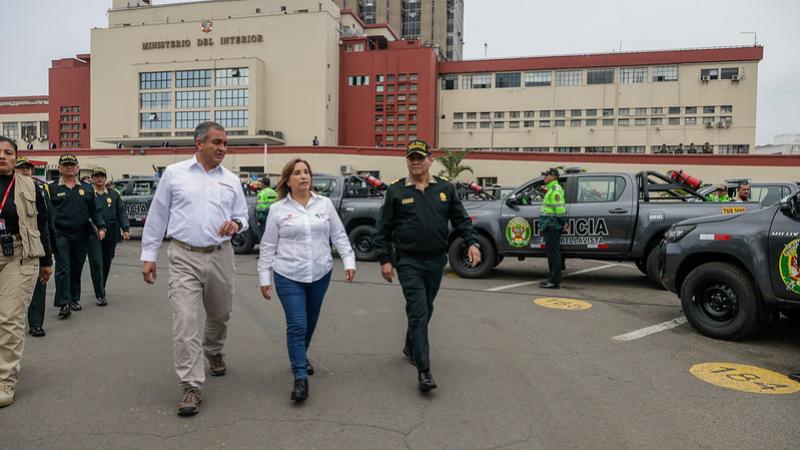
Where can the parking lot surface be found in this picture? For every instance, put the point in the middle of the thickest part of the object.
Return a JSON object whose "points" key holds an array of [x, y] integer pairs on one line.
{"points": [[518, 367]]}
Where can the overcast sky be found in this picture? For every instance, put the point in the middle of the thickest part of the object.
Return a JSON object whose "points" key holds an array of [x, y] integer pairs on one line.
{"points": [[38, 31]]}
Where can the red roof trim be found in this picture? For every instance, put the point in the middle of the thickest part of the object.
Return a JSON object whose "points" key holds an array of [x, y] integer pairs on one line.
{"points": [[657, 57]]}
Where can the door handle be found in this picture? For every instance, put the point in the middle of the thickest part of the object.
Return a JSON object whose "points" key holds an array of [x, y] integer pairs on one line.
{"points": [[618, 211]]}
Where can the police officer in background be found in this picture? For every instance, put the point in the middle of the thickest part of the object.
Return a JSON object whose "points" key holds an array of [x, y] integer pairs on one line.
{"points": [[266, 197], [36, 308], [720, 195], [75, 211], [414, 222], [115, 216], [552, 217]]}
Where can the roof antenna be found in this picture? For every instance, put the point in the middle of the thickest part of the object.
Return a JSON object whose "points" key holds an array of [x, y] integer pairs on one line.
{"points": [[620, 46]]}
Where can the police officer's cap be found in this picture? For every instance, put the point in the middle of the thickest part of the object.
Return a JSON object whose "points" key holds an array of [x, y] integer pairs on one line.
{"points": [[722, 187], [99, 172], [418, 148], [67, 158], [23, 161], [551, 171]]}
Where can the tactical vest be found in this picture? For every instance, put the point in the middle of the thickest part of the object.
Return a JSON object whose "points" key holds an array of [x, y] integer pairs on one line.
{"points": [[554, 203], [266, 197], [25, 201]]}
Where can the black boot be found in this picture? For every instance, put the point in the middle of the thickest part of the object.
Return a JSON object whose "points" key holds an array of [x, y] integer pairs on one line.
{"points": [[795, 376], [426, 381], [300, 391], [409, 356], [64, 312], [309, 368], [101, 301]]}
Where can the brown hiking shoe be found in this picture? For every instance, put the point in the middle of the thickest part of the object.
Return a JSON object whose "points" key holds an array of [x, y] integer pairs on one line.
{"points": [[190, 402], [216, 365]]}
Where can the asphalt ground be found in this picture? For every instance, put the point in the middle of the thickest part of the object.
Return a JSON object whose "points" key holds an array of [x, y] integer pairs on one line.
{"points": [[511, 373]]}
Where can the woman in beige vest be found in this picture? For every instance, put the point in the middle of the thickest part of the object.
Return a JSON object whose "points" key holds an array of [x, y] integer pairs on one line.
{"points": [[25, 244]]}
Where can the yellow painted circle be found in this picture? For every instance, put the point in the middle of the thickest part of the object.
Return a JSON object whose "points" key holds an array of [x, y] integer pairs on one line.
{"points": [[569, 304], [742, 377]]}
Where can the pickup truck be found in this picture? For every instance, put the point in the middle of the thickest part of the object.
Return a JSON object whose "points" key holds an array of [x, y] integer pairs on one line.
{"points": [[136, 193], [767, 194], [610, 216], [733, 274], [357, 201]]}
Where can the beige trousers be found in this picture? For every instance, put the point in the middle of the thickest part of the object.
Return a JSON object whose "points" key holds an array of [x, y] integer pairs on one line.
{"points": [[17, 279], [197, 279]]}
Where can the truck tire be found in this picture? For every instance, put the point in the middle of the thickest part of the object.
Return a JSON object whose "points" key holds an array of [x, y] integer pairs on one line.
{"points": [[653, 267], [243, 243], [720, 301], [457, 256], [361, 239]]}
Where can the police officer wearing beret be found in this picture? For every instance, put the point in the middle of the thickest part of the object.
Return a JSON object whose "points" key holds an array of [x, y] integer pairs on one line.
{"points": [[36, 308], [75, 212], [413, 222], [115, 216], [552, 217]]}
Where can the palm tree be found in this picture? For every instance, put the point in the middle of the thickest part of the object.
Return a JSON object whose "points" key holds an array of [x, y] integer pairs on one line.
{"points": [[451, 160]]}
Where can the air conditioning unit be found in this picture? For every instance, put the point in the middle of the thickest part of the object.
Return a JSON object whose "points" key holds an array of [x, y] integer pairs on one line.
{"points": [[720, 124], [278, 134], [346, 169], [705, 78], [709, 125], [727, 124], [269, 132], [261, 132], [735, 78]]}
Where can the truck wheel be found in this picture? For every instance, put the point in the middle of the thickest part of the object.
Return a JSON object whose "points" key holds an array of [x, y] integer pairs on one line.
{"points": [[459, 261], [498, 260], [361, 239], [243, 243], [641, 265], [654, 267], [721, 301]]}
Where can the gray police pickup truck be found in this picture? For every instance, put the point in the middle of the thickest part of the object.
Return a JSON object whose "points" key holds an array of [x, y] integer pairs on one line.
{"points": [[610, 216], [136, 193], [733, 274], [767, 194], [357, 201]]}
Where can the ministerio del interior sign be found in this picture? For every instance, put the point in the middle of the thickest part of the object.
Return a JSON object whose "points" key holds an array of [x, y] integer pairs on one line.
{"points": [[204, 42]]}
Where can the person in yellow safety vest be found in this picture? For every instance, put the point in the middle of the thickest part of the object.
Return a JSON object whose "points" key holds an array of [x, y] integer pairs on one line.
{"points": [[720, 195], [266, 197], [552, 217]]}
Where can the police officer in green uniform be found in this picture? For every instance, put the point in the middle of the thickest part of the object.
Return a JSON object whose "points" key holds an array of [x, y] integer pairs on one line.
{"points": [[413, 222], [720, 195], [75, 212], [266, 197], [36, 308], [552, 217], [115, 216]]}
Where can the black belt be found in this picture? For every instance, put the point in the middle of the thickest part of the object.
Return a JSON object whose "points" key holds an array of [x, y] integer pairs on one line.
{"points": [[191, 248], [418, 255]]}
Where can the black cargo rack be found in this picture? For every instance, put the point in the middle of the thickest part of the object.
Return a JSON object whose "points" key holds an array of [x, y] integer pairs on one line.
{"points": [[655, 182]]}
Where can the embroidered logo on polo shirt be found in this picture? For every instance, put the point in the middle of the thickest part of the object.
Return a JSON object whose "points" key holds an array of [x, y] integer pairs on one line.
{"points": [[81, 192]]}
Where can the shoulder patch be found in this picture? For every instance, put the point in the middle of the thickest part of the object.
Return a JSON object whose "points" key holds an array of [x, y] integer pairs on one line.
{"points": [[399, 180]]}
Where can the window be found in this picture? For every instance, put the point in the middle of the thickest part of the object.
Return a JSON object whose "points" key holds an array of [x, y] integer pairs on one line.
{"points": [[402, 77], [628, 75], [624, 112], [560, 113], [391, 78], [192, 78], [513, 115], [155, 80], [576, 113], [726, 109], [709, 109], [378, 118], [665, 73], [390, 127], [401, 117], [641, 111], [734, 149], [726, 120], [458, 125], [513, 124], [567, 149], [486, 124], [499, 125], [411, 14], [379, 78], [569, 77], [691, 121], [560, 123], [473, 116], [544, 114], [478, 81], [536, 149], [232, 97], [709, 74], [358, 80], [401, 127], [542, 78], [238, 76], [630, 149], [412, 127], [232, 119], [708, 121], [575, 122], [608, 122], [624, 122], [190, 119], [529, 114], [608, 112], [390, 118], [507, 80], [729, 72], [691, 110], [499, 114], [591, 113], [155, 100], [412, 97], [43, 129], [599, 149], [10, 130], [528, 124], [379, 128], [389, 137], [591, 122], [379, 88], [600, 76], [544, 124], [458, 116], [640, 122], [413, 77], [674, 121], [155, 120], [656, 111], [193, 99], [655, 121]]}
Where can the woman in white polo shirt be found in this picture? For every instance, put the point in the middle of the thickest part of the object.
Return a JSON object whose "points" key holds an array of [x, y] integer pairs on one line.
{"points": [[296, 250]]}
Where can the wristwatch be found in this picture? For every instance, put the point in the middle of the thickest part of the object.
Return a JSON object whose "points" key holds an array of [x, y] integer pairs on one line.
{"points": [[239, 223]]}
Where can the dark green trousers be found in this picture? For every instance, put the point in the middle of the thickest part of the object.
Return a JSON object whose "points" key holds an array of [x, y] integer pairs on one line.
{"points": [[36, 308], [101, 253], [420, 280], [70, 257], [552, 242]]}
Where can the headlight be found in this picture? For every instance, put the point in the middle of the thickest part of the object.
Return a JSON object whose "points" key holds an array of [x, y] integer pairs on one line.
{"points": [[677, 232]]}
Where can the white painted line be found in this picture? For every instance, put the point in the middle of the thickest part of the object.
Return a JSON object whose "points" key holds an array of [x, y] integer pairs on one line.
{"points": [[527, 283], [676, 322]]}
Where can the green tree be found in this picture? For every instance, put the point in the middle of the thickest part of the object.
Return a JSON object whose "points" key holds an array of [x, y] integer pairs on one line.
{"points": [[451, 161]]}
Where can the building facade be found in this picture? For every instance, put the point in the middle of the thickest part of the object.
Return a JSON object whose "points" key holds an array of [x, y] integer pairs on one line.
{"points": [[682, 101], [434, 23], [25, 120], [69, 102]]}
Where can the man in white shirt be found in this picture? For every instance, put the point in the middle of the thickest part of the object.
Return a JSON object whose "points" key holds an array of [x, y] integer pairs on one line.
{"points": [[200, 205]]}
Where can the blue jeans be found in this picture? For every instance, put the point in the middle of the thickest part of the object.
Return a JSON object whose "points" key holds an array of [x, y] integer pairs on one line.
{"points": [[302, 303]]}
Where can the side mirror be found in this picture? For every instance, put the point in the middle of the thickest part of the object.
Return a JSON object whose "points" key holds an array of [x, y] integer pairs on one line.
{"points": [[790, 205], [511, 201]]}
